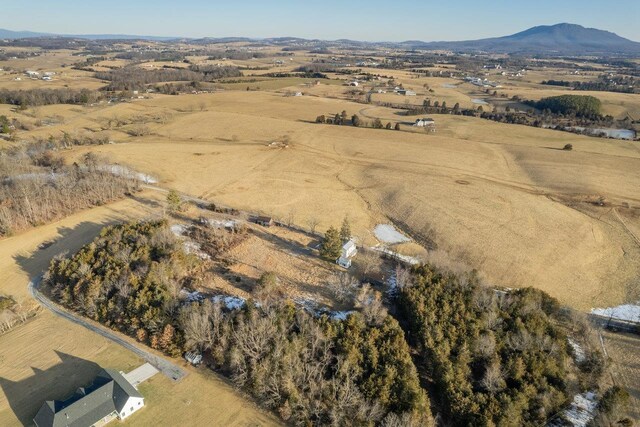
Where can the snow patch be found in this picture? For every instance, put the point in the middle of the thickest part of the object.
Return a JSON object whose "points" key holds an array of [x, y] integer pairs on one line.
{"points": [[387, 233], [341, 315], [229, 224], [628, 312], [179, 229], [124, 171], [581, 410], [194, 296], [232, 303], [578, 351], [312, 307], [194, 248]]}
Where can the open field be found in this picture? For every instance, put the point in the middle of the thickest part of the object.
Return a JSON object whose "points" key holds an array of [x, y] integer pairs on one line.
{"points": [[49, 353], [450, 186]]}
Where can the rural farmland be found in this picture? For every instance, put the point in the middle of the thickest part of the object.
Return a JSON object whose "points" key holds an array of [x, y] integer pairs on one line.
{"points": [[294, 231]]}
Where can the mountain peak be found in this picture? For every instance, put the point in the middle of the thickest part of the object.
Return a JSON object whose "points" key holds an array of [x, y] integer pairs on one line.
{"points": [[558, 39]]}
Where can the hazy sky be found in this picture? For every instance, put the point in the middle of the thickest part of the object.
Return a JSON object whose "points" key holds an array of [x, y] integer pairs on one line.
{"points": [[374, 20]]}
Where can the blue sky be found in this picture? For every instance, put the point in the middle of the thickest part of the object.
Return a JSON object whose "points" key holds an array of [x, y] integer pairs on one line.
{"points": [[374, 20]]}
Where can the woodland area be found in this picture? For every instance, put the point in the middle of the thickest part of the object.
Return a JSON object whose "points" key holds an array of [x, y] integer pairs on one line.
{"points": [[578, 105], [37, 187], [310, 370], [485, 357], [495, 358]]}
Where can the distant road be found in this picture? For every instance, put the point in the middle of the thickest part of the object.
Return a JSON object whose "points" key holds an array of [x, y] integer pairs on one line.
{"points": [[168, 368]]}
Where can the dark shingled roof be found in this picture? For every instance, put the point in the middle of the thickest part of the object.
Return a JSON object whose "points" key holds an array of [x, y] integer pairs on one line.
{"points": [[108, 393]]}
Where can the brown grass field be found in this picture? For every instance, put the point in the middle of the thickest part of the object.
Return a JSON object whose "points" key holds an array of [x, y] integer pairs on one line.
{"points": [[502, 198]]}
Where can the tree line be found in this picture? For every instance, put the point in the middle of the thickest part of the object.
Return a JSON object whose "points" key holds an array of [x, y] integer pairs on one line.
{"points": [[37, 97], [620, 84], [36, 186], [136, 78], [355, 120], [579, 105]]}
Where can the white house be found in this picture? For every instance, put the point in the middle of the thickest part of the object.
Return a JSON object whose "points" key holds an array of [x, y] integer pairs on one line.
{"points": [[424, 122], [354, 83], [110, 396], [32, 74], [349, 250]]}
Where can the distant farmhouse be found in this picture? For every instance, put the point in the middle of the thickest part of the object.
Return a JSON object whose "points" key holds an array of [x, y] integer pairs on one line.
{"points": [[110, 396], [425, 122], [405, 92], [265, 221]]}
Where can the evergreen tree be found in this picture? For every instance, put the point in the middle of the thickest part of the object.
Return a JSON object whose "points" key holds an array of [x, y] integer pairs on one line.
{"points": [[345, 230], [331, 245]]}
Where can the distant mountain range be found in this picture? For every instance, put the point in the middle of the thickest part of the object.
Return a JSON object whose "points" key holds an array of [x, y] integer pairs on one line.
{"points": [[9, 34], [559, 39]]}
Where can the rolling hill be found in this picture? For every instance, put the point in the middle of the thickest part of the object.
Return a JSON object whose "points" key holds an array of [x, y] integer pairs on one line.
{"points": [[550, 40]]}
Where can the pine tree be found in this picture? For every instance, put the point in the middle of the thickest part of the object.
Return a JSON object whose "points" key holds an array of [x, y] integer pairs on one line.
{"points": [[331, 245], [345, 230]]}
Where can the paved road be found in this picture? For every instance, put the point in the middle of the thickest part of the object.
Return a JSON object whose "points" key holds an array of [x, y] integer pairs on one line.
{"points": [[168, 368]]}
